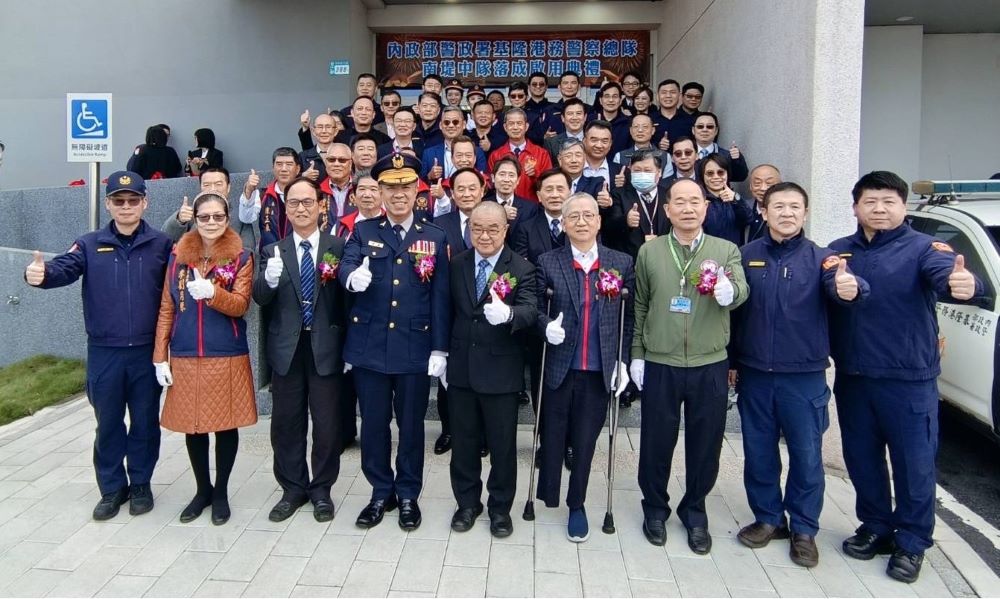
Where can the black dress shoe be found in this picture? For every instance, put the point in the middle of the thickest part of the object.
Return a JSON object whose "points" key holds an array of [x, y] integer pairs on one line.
{"points": [[284, 509], [374, 511], [625, 401], [107, 507], [465, 517], [655, 531], [501, 525], [803, 550], [409, 514], [570, 458], [865, 544], [195, 508], [443, 444], [905, 566], [220, 509], [699, 540], [323, 509], [141, 500]]}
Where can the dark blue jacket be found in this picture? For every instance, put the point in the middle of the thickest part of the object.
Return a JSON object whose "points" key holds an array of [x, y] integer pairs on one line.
{"points": [[621, 137], [727, 219], [782, 327], [894, 334], [121, 286], [436, 152]]}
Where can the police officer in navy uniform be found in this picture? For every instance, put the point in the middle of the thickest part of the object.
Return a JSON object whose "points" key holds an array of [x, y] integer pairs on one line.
{"points": [[397, 336], [887, 358], [782, 348], [123, 267]]}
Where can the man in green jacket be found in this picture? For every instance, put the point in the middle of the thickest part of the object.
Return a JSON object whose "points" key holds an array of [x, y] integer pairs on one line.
{"points": [[687, 283]]}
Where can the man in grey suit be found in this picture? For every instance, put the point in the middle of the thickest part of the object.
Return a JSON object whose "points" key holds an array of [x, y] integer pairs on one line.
{"points": [[303, 304]]}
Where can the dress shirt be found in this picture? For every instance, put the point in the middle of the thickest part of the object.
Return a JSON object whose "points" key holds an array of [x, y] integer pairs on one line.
{"points": [[602, 171], [250, 207], [585, 259], [313, 251]]}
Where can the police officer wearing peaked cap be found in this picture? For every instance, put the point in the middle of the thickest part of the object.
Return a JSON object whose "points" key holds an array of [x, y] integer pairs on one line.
{"points": [[397, 336], [123, 267]]}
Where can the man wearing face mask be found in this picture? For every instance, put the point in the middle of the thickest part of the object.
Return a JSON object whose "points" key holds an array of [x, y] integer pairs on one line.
{"points": [[637, 214]]}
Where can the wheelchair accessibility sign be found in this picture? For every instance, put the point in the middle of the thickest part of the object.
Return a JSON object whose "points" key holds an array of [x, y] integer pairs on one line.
{"points": [[88, 127]]}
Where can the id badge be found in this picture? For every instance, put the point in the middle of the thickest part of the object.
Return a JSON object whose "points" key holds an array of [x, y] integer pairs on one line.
{"points": [[680, 304]]}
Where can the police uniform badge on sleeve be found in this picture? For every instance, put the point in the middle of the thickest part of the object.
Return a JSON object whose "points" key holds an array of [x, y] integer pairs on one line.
{"points": [[831, 262], [941, 247], [421, 203]]}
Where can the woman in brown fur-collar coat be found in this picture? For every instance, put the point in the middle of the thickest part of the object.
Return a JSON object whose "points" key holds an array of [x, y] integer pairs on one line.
{"points": [[202, 332]]}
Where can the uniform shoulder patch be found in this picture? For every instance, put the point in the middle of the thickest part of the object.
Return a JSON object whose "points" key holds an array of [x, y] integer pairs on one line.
{"points": [[831, 262], [941, 247]]}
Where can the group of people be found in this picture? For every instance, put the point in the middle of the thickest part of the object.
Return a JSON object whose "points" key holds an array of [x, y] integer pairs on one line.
{"points": [[157, 160], [457, 252]]}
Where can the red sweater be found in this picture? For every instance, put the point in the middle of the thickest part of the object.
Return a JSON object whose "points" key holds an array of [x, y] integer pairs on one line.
{"points": [[531, 154]]}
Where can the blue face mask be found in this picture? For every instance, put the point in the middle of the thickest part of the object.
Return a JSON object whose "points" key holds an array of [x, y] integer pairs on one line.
{"points": [[643, 181]]}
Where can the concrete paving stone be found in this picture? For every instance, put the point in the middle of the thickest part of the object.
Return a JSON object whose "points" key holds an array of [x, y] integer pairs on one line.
{"points": [[50, 482], [677, 541], [471, 548], [331, 562], [11, 508], [183, 577], [883, 586], [435, 514], [276, 577], [180, 492], [20, 558], [506, 576], [244, 558], [742, 592], [76, 549], [127, 586], [301, 537], [793, 582], [41, 466], [738, 565], [138, 531], [256, 492], [260, 520], [361, 486], [599, 540], [409, 594], [524, 531], [833, 573], [698, 577], [302, 590], [6, 470], [437, 485], [383, 543], [554, 584], [93, 573], [346, 513], [603, 574], [209, 537], [16, 530], [34, 583], [420, 564], [160, 552], [721, 521], [171, 469], [55, 503], [975, 571], [220, 588], [368, 579], [460, 581], [554, 553], [74, 516], [653, 588], [930, 583], [643, 560]]}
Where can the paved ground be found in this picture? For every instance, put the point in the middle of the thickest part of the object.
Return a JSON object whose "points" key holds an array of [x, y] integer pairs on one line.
{"points": [[50, 546]]}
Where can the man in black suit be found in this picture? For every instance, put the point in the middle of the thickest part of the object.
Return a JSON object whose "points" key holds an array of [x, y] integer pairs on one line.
{"points": [[582, 364], [506, 173], [493, 297], [637, 214], [544, 232], [303, 306]]}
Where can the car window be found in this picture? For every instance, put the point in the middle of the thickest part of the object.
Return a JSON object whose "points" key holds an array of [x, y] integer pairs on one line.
{"points": [[961, 243], [995, 234]]}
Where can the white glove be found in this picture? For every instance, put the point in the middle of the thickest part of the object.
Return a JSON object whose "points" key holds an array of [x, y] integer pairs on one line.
{"points": [[361, 278], [163, 376], [554, 332], [619, 386], [437, 366], [273, 270], [724, 290], [637, 368], [199, 288], [347, 367], [496, 311]]}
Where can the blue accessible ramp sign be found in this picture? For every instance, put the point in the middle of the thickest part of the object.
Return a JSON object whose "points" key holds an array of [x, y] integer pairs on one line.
{"points": [[88, 127]]}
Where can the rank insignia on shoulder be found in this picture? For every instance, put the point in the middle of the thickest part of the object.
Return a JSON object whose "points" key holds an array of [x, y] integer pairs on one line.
{"points": [[107, 248], [756, 263], [831, 262], [376, 244], [941, 246]]}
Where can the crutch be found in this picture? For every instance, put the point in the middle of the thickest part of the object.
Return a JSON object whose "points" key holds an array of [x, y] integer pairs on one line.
{"points": [[613, 406], [529, 505]]}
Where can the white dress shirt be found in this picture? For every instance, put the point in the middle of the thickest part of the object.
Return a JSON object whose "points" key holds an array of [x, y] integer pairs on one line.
{"points": [[313, 251], [585, 259]]}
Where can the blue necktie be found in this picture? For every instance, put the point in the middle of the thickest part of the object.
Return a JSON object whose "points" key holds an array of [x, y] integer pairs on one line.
{"points": [[555, 229], [517, 152], [467, 235], [482, 275], [307, 277], [398, 230]]}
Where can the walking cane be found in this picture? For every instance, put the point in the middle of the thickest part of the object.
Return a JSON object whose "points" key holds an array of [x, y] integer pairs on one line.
{"points": [[529, 506], [609, 516]]}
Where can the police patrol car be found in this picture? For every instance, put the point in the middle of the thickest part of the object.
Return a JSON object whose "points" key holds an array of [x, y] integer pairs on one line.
{"points": [[966, 215]]}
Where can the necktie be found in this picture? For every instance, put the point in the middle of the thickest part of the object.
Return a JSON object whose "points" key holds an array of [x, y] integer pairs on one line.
{"points": [[467, 235], [482, 275], [702, 153], [555, 228], [647, 198], [307, 278], [517, 152], [398, 230]]}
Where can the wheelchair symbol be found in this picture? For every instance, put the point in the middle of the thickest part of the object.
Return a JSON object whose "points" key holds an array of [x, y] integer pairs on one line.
{"points": [[89, 123]]}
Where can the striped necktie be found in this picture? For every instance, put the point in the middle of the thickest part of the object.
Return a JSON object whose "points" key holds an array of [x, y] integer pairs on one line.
{"points": [[307, 278]]}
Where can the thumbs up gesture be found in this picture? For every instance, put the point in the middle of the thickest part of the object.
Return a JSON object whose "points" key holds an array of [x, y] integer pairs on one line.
{"points": [[847, 284], [604, 196], [273, 269], [734, 151], [727, 194], [436, 171], [312, 172], [632, 217], [724, 291], [554, 332], [200, 288], [620, 178], [186, 212], [961, 282], [437, 190], [34, 274], [496, 311], [664, 143], [251, 185], [361, 278], [304, 119]]}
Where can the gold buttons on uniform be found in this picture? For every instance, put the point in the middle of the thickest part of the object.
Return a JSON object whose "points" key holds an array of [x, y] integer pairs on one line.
{"points": [[395, 281], [392, 325], [394, 303]]}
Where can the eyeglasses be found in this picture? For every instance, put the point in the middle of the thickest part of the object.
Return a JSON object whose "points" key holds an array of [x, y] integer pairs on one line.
{"points": [[516, 96], [337, 159], [538, 84], [207, 218], [390, 103], [451, 122], [491, 231], [306, 203], [119, 202], [587, 217], [682, 152], [704, 126]]}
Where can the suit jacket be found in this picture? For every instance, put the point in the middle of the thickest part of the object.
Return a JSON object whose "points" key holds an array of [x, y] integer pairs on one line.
{"points": [[395, 324], [436, 152], [628, 239], [387, 149], [738, 169], [556, 272], [312, 155], [282, 309], [474, 341], [526, 210], [534, 238], [555, 143], [451, 222]]}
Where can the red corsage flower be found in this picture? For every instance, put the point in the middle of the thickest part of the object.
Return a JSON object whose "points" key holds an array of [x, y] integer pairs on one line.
{"points": [[328, 268], [609, 283], [707, 276], [424, 266], [224, 273], [502, 285]]}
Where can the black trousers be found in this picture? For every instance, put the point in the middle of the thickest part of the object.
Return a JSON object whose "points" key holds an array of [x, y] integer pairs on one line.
{"points": [[444, 412], [474, 416], [573, 414], [348, 409], [297, 396], [704, 392]]}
